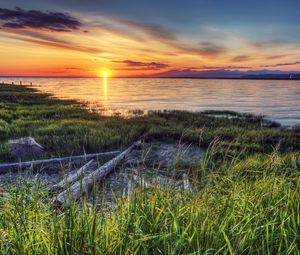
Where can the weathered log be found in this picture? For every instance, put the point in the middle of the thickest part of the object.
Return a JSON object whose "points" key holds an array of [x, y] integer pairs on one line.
{"points": [[82, 186], [13, 167], [70, 179]]}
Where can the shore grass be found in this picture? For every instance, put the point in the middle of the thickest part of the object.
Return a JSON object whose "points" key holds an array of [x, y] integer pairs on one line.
{"points": [[247, 196], [255, 201], [66, 128]]}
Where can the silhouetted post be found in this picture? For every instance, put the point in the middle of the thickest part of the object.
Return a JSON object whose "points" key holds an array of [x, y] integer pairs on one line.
{"points": [[30, 83], [20, 82], [12, 83]]}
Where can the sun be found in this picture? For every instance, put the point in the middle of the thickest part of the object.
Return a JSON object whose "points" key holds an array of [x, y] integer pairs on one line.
{"points": [[105, 74]]}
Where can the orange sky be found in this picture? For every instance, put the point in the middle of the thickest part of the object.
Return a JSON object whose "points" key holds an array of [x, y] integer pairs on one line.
{"points": [[130, 48]]}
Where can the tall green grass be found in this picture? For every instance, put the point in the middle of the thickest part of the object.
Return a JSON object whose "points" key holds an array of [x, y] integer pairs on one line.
{"points": [[252, 202]]}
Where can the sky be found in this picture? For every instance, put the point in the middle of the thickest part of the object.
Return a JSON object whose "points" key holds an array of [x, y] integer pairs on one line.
{"points": [[144, 38]]}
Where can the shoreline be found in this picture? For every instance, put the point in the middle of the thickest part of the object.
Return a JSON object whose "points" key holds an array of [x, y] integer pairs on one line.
{"points": [[115, 103], [145, 77], [32, 112]]}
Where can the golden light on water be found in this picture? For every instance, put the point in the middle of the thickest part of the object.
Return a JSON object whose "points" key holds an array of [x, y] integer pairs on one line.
{"points": [[105, 89], [105, 73]]}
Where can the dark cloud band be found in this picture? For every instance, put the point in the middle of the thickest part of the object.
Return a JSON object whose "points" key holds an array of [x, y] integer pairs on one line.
{"points": [[282, 64], [33, 19], [142, 65]]}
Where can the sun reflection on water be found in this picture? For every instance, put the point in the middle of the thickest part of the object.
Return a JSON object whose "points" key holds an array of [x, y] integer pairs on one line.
{"points": [[277, 99], [105, 89]]}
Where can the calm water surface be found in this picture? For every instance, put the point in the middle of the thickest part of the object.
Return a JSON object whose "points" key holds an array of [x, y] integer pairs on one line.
{"points": [[279, 100]]}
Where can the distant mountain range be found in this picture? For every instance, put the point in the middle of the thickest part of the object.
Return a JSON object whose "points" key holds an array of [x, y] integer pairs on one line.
{"points": [[229, 74]]}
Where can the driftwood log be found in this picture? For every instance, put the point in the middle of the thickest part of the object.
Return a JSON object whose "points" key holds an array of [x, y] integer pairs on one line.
{"points": [[70, 179], [13, 167], [82, 186]]}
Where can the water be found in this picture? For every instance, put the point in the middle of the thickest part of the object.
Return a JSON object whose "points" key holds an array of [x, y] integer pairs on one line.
{"points": [[278, 99]]}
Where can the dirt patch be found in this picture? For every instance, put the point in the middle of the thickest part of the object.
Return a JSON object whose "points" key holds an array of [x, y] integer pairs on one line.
{"points": [[155, 163]]}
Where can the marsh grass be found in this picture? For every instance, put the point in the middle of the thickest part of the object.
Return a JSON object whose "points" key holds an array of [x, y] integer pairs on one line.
{"points": [[254, 200], [65, 128]]}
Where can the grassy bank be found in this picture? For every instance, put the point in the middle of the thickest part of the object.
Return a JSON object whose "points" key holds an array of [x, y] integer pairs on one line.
{"points": [[255, 201], [65, 128], [248, 185]]}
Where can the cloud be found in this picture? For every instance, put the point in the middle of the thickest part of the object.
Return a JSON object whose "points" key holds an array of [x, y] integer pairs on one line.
{"points": [[170, 38], [35, 27], [63, 45], [54, 21], [38, 35], [241, 58], [211, 49], [228, 67], [269, 44], [154, 30], [44, 40], [135, 65], [73, 68], [276, 57], [282, 64]]}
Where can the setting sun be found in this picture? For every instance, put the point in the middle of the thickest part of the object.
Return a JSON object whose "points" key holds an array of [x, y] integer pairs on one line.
{"points": [[105, 74]]}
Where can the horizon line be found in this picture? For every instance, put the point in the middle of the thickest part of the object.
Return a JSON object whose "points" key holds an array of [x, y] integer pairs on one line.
{"points": [[255, 77]]}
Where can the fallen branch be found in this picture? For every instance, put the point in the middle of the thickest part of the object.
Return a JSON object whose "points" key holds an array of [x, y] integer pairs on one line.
{"points": [[13, 167], [73, 177], [82, 186]]}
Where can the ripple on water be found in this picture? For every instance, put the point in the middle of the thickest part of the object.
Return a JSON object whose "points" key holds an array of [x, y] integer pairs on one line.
{"points": [[267, 97]]}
